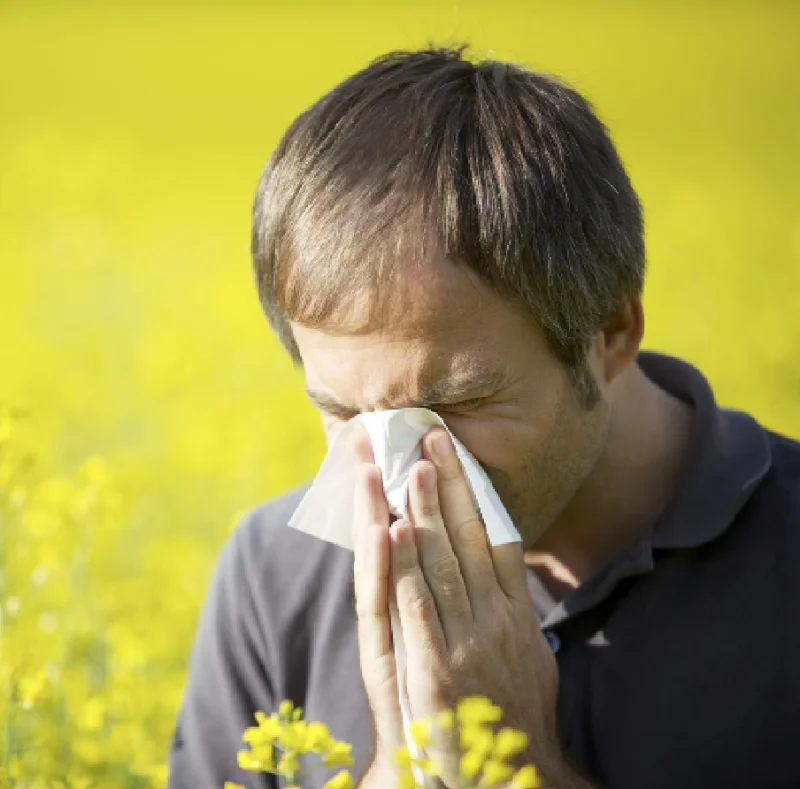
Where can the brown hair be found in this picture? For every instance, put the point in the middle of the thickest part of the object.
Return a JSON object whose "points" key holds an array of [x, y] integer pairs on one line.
{"points": [[504, 170]]}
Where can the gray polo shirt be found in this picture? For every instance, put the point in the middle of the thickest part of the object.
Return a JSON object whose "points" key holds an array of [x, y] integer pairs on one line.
{"points": [[679, 661]]}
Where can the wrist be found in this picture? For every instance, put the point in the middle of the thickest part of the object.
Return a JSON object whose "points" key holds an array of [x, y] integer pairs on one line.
{"points": [[380, 774]]}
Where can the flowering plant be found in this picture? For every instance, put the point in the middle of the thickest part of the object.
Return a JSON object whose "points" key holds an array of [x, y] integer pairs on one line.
{"points": [[486, 754], [277, 741]]}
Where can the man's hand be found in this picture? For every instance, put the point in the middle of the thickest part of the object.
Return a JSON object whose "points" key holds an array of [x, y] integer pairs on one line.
{"points": [[465, 611]]}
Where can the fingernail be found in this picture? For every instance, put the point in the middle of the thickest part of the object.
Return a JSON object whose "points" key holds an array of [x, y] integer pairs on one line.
{"points": [[442, 445], [427, 478]]}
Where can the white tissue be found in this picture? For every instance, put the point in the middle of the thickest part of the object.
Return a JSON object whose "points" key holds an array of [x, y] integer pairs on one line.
{"points": [[326, 510]]}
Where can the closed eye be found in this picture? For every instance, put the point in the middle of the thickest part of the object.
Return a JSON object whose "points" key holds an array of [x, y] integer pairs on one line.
{"points": [[342, 414], [463, 405]]}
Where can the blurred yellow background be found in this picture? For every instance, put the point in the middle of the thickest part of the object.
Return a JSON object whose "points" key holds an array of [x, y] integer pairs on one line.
{"points": [[143, 402]]}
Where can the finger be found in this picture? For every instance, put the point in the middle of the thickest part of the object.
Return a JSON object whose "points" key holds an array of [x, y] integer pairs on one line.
{"points": [[371, 582], [369, 501], [360, 445], [370, 529], [419, 619], [436, 557], [509, 568], [462, 521]]}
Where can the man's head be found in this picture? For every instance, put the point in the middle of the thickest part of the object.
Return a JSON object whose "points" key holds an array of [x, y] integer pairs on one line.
{"points": [[461, 236]]}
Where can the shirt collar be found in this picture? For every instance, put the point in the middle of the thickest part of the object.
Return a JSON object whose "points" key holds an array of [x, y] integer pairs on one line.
{"points": [[729, 456]]}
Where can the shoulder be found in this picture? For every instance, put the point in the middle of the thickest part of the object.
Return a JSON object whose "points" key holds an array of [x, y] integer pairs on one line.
{"points": [[768, 523], [785, 453], [780, 490], [264, 528], [274, 562]]}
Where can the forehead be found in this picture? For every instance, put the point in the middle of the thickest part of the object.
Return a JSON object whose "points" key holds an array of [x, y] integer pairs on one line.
{"points": [[445, 330], [417, 296]]}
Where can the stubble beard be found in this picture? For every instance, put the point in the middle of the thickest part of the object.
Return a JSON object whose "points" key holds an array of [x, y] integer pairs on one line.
{"points": [[553, 473]]}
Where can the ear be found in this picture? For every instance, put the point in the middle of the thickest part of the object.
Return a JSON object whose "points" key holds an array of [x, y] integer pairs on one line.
{"points": [[620, 338]]}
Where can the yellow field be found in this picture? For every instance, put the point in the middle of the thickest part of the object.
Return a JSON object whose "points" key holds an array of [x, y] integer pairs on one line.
{"points": [[149, 404]]}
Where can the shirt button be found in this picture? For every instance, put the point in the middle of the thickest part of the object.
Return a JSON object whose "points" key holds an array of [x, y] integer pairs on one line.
{"points": [[553, 640]]}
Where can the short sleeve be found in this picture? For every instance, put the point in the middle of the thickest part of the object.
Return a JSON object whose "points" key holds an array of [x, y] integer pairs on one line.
{"points": [[229, 679]]}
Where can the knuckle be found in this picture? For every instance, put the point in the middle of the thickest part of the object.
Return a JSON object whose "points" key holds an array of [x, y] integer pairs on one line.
{"points": [[467, 660], [451, 469], [460, 656], [428, 507], [422, 605], [445, 691], [445, 576], [471, 531], [446, 571], [500, 630], [380, 678]]}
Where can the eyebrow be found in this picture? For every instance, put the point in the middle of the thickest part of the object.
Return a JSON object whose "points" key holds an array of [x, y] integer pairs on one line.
{"points": [[329, 405], [477, 385]]}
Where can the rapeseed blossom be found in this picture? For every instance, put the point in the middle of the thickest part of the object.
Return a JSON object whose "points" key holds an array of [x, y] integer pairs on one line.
{"points": [[80, 704], [277, 742], [485, 756]]}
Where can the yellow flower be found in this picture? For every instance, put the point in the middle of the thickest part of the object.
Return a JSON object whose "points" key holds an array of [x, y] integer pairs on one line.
{"points": [[264, 755], [232, 785], [339, 754], [267, 730], [445, 719], [477, 710], [15, 768], [402, 757], [406, 780], [470, 764], [246, 761], [508, 743], [32, 689], [494, 772], [342, 780], [526, 778], [285, 709], [91, 715], [319, 738], [477, 738], [429, 766], [288, 764], [254, 735], [294, 736], [421, 732]]}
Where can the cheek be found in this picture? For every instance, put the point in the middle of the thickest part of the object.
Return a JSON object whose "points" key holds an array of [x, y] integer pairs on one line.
{"points": [[495, 443]]}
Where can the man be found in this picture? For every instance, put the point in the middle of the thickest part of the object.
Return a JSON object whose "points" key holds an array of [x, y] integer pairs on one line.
{"points": [[462, 236]]}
